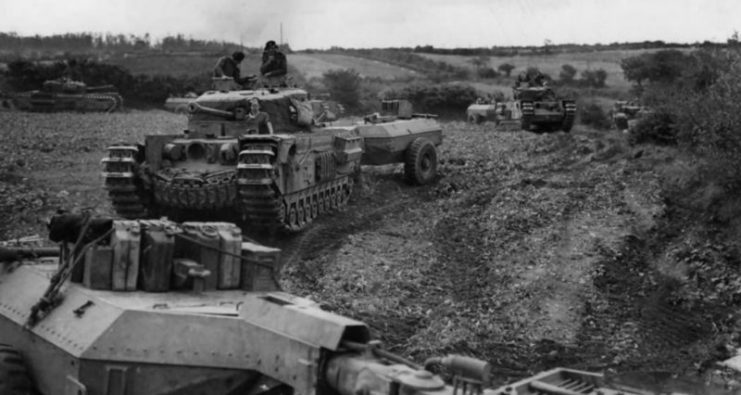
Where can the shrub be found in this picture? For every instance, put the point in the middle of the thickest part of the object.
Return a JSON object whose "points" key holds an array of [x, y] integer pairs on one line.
{"points": [[487, 72], [567, 74], [344, 86], [656, 127], [506, 68], [449, 100], [592, 114], [594, 78]]}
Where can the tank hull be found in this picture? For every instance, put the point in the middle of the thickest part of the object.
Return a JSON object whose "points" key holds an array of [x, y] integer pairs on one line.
{"points": [[105, 342]]}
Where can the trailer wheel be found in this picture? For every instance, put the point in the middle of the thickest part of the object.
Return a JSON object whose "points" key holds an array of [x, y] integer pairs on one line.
{"points": [[14, 376], [420, 166]]}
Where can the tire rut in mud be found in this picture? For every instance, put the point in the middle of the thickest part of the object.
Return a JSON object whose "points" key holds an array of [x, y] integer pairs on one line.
{"points": [[633, 322]]}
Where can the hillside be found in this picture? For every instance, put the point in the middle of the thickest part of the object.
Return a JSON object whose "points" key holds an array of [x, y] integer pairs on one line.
{"points": [[551, 64]]}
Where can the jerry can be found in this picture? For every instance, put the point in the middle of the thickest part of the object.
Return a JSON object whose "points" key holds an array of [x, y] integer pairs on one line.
{"points": [[230, 264], [157, 250], [258, 269], [97, 272], [125, 242], [200, 242]]}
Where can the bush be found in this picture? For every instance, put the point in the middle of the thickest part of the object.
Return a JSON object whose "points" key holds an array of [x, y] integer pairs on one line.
{"points": [[142, 89], [506, 68], [656, 128], [344, 86], [594, 78], [450, 100], [487, 72], [567, 74], [593, 115]]}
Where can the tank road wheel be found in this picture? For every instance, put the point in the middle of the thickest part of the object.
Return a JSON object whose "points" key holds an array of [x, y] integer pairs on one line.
{"points": [[301, 214], [420, 166], [333, 199], [320, 203], [345, 192], [293, 217], [14, 376], [314, 207]]}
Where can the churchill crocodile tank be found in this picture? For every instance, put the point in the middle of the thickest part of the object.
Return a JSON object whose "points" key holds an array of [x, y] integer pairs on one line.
{"points": [[281, 180], [68, 95], [157, 307]]}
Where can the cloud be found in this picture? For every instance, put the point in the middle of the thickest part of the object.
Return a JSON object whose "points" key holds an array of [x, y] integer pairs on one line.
{"points": [[383, 23]]}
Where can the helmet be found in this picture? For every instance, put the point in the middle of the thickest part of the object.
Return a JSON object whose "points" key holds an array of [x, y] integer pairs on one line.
{"points": [[238, 56]]}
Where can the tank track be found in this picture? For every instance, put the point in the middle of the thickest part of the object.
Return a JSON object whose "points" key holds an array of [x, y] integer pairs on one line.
{"points": [[528, 115], [262, 204], [101, 102], [125, 189], [569, 115], [89, 102], [216, 192]]}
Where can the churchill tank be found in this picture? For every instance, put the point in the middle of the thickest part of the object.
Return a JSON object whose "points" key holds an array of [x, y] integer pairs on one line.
{"points": [[69, 95], [280, 180], [539, 109], [126, 307]]}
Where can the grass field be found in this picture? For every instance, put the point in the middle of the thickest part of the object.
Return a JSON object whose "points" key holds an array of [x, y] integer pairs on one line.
{"points": [[307, 65], [314, 65], [311, 65], [551, 64]]}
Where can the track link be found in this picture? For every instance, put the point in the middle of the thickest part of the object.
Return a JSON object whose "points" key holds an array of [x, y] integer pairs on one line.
{"points": [[125, 189], [263, 206]]}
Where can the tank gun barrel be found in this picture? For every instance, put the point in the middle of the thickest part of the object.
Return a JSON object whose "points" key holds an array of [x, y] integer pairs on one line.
{"points": [[195, 108], [370, 370], [12, 254]]}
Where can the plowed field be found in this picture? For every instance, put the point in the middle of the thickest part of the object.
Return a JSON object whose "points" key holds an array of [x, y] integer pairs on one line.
{"points": [[529, 251]]}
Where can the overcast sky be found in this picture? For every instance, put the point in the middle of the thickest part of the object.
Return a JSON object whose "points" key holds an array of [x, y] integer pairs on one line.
{"points": [[384, 23]]}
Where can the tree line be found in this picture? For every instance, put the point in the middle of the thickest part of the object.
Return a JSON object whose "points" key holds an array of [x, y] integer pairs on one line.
{"points": [[88, 43], [24, 75]]}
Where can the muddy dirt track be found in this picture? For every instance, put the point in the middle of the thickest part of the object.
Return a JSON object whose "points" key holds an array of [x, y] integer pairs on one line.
{"points": [[530, 251]]}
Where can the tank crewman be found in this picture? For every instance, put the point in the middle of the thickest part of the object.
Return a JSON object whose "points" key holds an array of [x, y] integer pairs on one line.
{"points": [[228, 66], [72, 70], [521, 79], [274, 65], [258, 121]]}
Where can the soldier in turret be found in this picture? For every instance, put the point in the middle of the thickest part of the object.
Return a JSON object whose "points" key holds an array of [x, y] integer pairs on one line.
{"points": [[228, 66], [274, 65]]}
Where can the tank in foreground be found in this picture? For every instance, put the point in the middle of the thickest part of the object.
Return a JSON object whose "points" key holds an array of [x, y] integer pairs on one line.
{"points": [[155, 307]]}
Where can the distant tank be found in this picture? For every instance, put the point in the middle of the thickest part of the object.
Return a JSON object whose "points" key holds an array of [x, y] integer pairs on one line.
{"points": [[283, 180], [539, 109], [482, 112], [504, 115], [156, 307], [626, 113], [68, 95]]}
